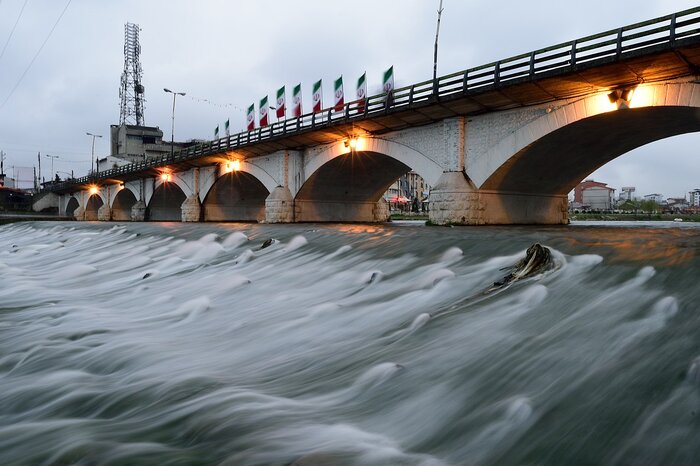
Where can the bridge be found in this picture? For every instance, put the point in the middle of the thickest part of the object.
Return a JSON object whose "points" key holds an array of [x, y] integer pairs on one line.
{"points": [[501, 143]]}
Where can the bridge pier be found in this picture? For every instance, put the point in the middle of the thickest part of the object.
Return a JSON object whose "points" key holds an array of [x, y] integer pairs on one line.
{"points": [[455, 201], [104, 213], [191, 209], [279, 206], [138, 211]]}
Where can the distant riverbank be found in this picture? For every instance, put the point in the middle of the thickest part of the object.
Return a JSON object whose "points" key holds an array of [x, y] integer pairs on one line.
{"points": [[11, 217], [633, 217]]}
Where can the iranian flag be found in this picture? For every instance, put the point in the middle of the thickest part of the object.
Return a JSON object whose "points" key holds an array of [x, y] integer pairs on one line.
{"points": [[361, 92], [317, 96], [281, 107], [296, 101], [250, 117], [388, 81], [263, 111], [338, 92]]}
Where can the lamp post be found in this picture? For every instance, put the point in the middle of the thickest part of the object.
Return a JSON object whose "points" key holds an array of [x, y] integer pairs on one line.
{"points": [[52, 157], [92, 160], [172, 131]]}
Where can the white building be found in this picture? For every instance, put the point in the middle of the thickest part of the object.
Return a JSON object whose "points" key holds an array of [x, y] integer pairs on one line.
{"points": [[656, 197], [598, 197], [694, 198]]}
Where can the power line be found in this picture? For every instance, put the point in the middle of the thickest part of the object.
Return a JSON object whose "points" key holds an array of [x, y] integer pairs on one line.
{"points": [[13, 28], [36, 55]]}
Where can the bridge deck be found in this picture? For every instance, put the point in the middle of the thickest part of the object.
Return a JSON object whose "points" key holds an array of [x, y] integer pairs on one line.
{"points": [[655, 50]]}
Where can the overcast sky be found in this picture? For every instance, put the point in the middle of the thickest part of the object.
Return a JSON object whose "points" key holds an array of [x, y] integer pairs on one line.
{"points": [[234, 52]]}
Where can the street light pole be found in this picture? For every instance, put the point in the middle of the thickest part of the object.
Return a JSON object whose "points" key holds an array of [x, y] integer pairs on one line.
{"points": [[172, 130], [52, 157], [92, 160]]}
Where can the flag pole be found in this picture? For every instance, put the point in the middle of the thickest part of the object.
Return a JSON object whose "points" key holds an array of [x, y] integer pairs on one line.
{"points": [[435, 55]]}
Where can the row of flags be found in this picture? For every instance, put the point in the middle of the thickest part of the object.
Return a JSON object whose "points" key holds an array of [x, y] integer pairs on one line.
{"points": [[316, 99]]}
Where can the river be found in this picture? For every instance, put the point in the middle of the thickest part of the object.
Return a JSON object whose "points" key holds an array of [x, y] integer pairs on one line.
{"points": [[181, 344]]}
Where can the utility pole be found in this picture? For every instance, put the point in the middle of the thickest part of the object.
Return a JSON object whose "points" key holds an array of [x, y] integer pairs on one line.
{"points": [[2, 162], [38, 156], [435, 56]]}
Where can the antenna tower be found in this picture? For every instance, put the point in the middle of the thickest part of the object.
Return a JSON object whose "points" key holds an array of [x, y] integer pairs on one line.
{"points": [[131, 90]]}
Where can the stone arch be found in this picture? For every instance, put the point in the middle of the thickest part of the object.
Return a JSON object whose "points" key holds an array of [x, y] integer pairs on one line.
{"points": [[427, 168], [123, 201], [72, 205], [165, 203], [92, 206], [178, 180], [235, 196], [551, 154], [347, 186]]}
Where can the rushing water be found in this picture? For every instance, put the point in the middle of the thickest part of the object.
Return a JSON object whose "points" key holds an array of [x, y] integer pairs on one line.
{"points": [[347, 345]]}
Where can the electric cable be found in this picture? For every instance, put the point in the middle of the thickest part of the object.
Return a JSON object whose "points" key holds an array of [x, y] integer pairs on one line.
{"points": [[13, 28], [35, 55]]}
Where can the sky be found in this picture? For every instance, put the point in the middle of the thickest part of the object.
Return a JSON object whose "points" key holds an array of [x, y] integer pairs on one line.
{"points": [[232, 53]]}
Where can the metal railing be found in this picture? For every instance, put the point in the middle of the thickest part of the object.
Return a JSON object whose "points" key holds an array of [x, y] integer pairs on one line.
{"points": [[612, 45]]}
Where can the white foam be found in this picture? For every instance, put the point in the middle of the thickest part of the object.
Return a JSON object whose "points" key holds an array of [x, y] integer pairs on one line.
{"points": [[234, 240]]}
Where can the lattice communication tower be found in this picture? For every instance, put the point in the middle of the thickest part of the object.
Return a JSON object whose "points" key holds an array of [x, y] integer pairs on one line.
{"points": [[131, 90]]}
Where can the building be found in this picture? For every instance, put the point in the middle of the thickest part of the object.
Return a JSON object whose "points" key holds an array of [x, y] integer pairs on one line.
{"points": [[593, 195], [132, 143], [406, 189], [656, 197], [694, 198], [627, 193], [677, 204], [598, 197]]}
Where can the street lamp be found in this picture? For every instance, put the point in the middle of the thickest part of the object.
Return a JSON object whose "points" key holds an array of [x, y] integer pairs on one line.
{"points": [[52, 157], [92, 160], [172, 131]]}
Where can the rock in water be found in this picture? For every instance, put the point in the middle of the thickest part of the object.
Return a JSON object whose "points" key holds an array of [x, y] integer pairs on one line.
{"points": [[267, 243], [537, 260]]}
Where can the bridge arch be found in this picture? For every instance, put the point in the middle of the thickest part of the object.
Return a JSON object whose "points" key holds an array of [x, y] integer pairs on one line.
{"points": [[71, 206], [165, 203], [347, 185], [235, 196], [122, 203], [92, 206], [553, 153]]}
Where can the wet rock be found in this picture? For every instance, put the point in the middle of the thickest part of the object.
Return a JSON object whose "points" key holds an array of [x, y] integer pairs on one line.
{"points": [[538, 259], [268, 242]]}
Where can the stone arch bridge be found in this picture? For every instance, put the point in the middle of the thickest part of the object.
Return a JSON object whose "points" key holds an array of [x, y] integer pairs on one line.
{"points": [[499, 144]]}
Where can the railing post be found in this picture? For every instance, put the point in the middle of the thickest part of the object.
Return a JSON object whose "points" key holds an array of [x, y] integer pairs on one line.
{"points": [[497, 74], [619, 43], [313, 120], [410, 95], [436, 89], [573, 53], [672, 29], [532, 64], [465, 82]]}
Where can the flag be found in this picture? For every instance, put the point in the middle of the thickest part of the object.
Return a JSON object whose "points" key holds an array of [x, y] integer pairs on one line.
{"points": [[281, 105], [296, 101], [317, 96], [361, 92], [250, 117], [339, 97], [226, 128], [216, 132], [388, 81], [263, 111]]}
